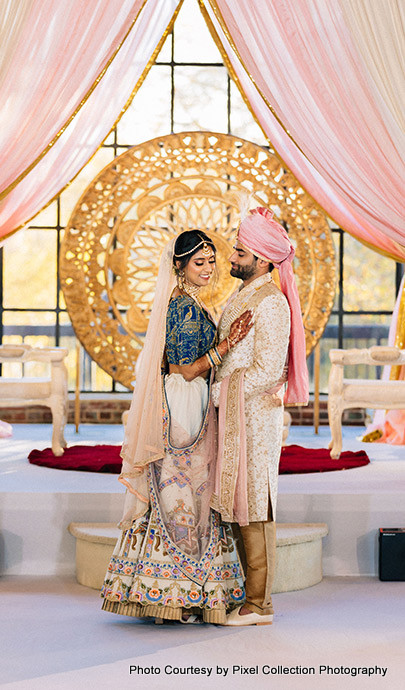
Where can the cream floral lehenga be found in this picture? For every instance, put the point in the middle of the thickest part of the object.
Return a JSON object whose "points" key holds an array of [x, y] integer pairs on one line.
{"points": [[174, 556]]}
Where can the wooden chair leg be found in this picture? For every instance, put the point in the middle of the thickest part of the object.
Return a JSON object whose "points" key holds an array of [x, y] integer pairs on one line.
{"points": [[335, 411]]}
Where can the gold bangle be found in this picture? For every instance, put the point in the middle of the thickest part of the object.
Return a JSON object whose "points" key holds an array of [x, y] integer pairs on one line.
{"points": [[211, 362], [215, 356], [217, 352]]}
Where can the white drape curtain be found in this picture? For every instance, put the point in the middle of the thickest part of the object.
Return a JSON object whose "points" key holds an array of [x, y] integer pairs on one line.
{"points": [[310, 88], [65, 53], [378, 31]]}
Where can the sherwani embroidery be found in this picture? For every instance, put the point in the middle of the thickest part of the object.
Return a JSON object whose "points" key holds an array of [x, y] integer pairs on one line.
{"points": [[263, 355]]}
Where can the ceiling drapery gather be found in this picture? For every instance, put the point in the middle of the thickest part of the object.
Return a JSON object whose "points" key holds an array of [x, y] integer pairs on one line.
{"points": [[320, 77]]}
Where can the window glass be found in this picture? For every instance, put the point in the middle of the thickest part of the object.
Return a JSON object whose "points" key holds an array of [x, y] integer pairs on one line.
{"points": [[29, 272], [36, 329], [190, 23], [98, 379], [68, 339], [148, 116], [46, 217], [243, 123], [368, 278], [328, 341], [165, 54], [200, 99], [363, 331], [110, 139]]}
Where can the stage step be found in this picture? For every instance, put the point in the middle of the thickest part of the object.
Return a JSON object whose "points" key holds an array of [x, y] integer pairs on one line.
{"points": [[298, 564]]}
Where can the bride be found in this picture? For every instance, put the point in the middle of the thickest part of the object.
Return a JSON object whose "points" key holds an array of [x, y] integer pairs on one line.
{"points": [[175, 559]]}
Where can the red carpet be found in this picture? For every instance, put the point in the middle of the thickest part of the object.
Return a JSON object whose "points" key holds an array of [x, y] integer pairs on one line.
{"points": [[294, 459], [299, 460]]}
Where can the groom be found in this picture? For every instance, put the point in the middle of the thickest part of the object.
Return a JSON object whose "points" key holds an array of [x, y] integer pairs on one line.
{"points": [[249, 391]]}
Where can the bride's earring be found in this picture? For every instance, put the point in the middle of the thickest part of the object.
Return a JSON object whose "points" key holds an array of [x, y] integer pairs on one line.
{"points": [[180, 280]]}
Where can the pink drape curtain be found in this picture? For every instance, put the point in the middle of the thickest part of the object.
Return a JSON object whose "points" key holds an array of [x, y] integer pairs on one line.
{"points": [[68, 47], [59, 49], [330, 122]]}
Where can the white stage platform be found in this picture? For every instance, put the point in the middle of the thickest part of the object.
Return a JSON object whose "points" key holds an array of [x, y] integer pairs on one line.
{"points": [[37, 504]]}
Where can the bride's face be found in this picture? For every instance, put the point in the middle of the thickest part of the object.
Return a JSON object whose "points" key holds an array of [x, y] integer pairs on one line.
{"points": [[200, 268]]}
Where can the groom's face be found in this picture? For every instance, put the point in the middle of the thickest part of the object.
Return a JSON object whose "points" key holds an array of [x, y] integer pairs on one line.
{"points": [[243, 262]]}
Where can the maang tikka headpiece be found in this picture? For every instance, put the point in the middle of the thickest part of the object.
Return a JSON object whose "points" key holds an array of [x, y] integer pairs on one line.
{"points": [[206, 249]]}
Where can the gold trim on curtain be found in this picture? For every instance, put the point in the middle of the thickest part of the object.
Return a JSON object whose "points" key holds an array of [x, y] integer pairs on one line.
{"points": [[225, 29], [123, 110], [32, 165], [235, 78]]}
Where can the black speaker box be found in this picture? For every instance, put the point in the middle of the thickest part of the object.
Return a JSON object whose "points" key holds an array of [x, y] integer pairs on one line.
{"points": [[392, 554]]}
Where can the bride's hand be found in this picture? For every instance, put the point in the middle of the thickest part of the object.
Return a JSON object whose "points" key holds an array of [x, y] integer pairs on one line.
{"points": [[240, 328]]}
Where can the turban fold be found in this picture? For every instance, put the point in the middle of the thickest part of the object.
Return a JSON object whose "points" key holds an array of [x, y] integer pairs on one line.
{"points": [[268, 240]]}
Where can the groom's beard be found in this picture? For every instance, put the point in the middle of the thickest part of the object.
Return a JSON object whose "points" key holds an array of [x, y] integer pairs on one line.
{"points": [[244, 272]]}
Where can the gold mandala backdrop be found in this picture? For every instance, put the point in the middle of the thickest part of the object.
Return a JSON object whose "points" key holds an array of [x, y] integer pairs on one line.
{"points": [[112, 245]]}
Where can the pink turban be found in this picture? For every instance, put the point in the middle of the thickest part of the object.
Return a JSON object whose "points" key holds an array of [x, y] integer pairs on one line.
{"points": [[268, 240]]}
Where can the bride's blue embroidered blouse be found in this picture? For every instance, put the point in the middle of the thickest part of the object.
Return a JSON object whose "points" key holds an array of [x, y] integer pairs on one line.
{"points": [[189, 331]]}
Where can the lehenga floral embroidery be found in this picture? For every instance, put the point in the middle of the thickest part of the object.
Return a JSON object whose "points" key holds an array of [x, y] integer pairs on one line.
{"points": [[195, 570], [153, 577]]}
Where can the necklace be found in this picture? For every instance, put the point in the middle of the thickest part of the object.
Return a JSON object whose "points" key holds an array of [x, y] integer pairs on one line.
{"points": [[192, 290]]}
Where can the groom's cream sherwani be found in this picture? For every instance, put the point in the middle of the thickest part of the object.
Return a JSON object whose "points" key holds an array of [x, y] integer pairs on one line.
{"points": [[262, 353]]}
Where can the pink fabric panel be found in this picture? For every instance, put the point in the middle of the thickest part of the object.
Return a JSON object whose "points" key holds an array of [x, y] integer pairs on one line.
{"points": [[393, 428], [240, 504], [303, 59], [60, 50], [93, 122]]}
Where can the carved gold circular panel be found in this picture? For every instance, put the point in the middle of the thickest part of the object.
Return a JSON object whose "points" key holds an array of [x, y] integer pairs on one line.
{"points": [[112, 245]]}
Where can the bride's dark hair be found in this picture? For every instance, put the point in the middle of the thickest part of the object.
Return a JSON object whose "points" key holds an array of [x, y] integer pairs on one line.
{"points": [[187, 244]]}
